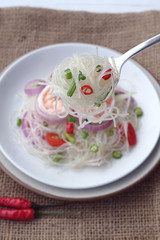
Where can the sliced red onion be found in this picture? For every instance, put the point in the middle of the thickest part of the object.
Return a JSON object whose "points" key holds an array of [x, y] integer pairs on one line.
{"points": [[24, 125], [30, 90], [121, 92], [48, 118], [25, 128], [98, 127]]}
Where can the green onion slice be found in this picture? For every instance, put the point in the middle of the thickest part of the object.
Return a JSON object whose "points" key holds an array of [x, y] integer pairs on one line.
{"points": [[71, 119], [94, 148], [97, 104], [81, 76], [69, 137], [111, 132], [138, 111], [58, 158], [72, 89], [45, 124], [68, 73], [86, 119], [84, 135], [117, 154], [19, 122], [98, 68]]}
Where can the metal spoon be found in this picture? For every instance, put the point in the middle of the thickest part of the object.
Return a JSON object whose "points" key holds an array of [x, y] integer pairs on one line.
{"points": [[119, 61]]}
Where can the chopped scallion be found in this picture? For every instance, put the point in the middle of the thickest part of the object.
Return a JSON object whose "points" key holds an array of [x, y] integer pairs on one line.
{"points": [[94, 148], [69, 137], [71, 119], [116, 154], [45, 124], [68, 73], [56, 159], [86, 119], [72, 89], [19, 122], [81, 76], [84, 135], [98, 68], [111, 132], [97, 104], [138, 111], [115, 93]]}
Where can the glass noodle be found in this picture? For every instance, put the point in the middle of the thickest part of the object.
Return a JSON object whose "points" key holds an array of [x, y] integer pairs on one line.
{"points": [[81, 105], [71, 154]]}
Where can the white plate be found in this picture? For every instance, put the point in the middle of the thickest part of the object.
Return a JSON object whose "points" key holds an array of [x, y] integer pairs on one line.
{"points": [[40, 63]]}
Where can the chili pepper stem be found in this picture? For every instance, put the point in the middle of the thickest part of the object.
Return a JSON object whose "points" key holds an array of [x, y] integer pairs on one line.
{"points": [[38, 214], [36, 206]]}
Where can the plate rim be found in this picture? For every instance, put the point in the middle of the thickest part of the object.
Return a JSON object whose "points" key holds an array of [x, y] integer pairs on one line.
{"points": [[63, 44]]}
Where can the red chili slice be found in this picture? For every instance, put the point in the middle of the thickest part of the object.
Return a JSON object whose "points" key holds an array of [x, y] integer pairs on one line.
{"points": [[17, 214], [131, 134], [54, 140], [87, 90], [69, 128], [107, 76]]}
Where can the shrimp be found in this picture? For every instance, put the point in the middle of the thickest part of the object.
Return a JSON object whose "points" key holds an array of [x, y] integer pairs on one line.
{"points": [[46, 102]]}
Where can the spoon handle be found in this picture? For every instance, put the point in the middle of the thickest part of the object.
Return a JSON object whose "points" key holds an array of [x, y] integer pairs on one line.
{"points": [[150, 42]]}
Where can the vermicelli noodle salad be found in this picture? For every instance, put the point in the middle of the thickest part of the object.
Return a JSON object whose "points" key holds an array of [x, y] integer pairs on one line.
{"points": [[67, 121]]}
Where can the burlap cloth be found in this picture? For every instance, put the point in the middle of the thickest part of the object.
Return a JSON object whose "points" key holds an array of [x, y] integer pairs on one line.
{"points": [[134, 214]]}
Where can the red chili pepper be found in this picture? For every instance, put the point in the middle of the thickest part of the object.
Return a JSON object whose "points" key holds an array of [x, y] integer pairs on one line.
{"points": [[15, 202], [69, 128], [22, 203], [131, 134], [17, 214], [107, 76], [87, 90], [27, 214]]}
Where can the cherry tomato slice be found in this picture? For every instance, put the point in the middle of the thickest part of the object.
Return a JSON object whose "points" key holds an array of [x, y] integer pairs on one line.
{"points": [[87, 90], [107, 76], [54, 140], [131, 134], [69, 128]]}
